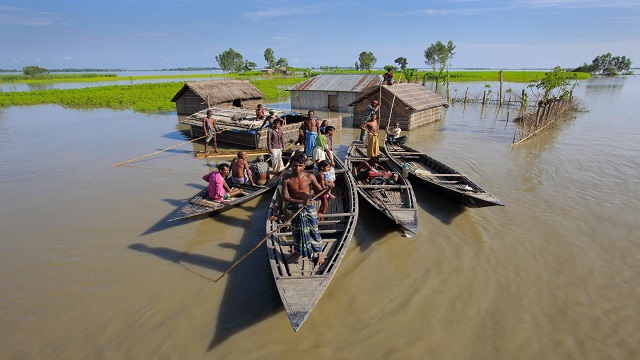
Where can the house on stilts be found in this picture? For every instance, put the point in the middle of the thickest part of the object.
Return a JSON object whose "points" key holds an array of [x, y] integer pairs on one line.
{"points": [[413, 105]]}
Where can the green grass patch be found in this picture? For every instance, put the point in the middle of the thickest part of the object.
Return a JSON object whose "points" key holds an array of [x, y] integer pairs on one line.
{"points": [[154, 97]]}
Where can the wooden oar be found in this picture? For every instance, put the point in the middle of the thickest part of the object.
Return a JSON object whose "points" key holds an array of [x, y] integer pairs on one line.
{"points": [[286, 223], [157, 152]]}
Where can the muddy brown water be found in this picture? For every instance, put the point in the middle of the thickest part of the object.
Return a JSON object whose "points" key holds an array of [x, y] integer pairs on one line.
{"points": [[90, 270]]}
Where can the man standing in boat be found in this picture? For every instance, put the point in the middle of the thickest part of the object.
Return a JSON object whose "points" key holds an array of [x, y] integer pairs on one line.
{"points": [[296, 192], [371, 127], [312, 131], [210, 131], [275, 144], [368, 113]]}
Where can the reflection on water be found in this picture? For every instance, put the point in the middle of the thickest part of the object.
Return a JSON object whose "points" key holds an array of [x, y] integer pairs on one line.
{"points": [[90, 269]]}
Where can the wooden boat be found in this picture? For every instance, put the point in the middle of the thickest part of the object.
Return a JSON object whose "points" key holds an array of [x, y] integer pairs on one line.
{"points": [[201, 205], [301, 283], [396, 201], [439, 177]]}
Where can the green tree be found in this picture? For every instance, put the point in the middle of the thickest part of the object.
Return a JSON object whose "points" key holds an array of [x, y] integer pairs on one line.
{"points": [[34, 70], [367, 60], [608, 64], [249, 65], [282, 62], [230, 61], [402, 62], [270, 58], [555, 84], [439, 54]]}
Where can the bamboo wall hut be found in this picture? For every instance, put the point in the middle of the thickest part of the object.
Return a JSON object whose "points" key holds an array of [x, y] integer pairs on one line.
{"points": [[200, 95], [331, 92], [414, 105]]}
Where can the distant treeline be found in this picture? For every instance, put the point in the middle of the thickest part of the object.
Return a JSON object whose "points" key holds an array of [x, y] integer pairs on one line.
{"points": [[91, 70]]}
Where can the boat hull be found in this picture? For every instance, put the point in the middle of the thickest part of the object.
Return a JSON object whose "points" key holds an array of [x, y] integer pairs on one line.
{"points": [[302, 283]]}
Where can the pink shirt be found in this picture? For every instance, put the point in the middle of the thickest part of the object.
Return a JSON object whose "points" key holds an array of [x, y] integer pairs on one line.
{"points": [[216, 188]]}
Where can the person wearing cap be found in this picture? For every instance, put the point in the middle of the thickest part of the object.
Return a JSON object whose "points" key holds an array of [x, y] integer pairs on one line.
{"points": [[269, 119], [368, 113], [260, 170]]}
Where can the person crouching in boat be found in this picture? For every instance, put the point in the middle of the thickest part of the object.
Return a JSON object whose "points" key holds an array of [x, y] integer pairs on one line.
{"points": [[240, 171], [296, 192], [394, 137], [218, 189]]}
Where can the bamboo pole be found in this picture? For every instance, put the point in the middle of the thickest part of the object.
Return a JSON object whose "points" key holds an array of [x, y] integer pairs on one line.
{"points": [[157, 152], [286, 223], [392, 102]]}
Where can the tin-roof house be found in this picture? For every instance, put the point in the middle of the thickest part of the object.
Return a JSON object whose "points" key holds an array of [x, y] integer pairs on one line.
{"points": [[331, 92]]}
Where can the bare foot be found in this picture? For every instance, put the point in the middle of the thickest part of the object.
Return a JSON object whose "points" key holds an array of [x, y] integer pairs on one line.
{"points": [[294, 256], [320, 259]]}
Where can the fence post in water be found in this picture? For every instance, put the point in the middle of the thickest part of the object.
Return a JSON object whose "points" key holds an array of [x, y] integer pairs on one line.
{"points": [[465, 95], [500, 94], [484, 97]]}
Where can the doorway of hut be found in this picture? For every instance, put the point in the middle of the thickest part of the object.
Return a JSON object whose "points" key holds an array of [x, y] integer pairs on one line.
{"points": [[237, 103], [333, 103]]}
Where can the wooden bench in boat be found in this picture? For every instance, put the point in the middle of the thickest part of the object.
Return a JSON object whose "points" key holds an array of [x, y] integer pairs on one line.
{"points": [[399, 187]]}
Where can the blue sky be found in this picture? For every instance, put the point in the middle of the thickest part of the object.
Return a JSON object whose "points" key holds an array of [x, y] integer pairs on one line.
{"points": [[159, 34]]}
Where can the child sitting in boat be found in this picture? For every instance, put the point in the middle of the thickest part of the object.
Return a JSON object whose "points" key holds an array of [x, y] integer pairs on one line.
{"points": [[324, 178]]}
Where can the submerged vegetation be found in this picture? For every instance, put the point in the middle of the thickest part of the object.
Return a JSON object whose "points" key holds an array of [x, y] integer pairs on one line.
{"points": [[157, 96], [139, 97]]}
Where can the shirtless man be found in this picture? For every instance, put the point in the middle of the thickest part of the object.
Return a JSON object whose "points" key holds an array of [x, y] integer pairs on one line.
{"points": [[312, 131], [240, 172], [296, 192], [371, 127], [260, 113], [210, 131]]}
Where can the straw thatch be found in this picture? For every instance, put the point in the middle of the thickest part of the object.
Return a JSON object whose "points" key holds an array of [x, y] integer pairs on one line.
{"points": [[413, 105], [196, 96]]}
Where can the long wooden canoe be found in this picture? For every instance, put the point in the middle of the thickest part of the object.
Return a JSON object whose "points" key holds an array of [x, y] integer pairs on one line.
{"points": [[201, 205], [301, 283], [397, 201], [439, 177]]}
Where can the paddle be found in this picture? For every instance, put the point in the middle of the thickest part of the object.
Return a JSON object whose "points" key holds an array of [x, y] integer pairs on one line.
{"points": [[286, 223]]}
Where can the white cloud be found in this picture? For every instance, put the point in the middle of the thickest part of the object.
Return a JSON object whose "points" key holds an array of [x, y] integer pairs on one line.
{"points": [[17, 16]]}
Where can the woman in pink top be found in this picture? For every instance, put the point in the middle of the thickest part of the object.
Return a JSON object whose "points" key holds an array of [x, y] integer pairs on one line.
{"points": [[218, 188]]}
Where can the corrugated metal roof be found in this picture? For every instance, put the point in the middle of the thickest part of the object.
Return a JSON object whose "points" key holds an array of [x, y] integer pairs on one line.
{"points": [[344, 83]]}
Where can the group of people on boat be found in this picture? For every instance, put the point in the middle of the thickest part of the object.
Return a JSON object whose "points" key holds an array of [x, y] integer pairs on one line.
{"points": [[295, 191]]}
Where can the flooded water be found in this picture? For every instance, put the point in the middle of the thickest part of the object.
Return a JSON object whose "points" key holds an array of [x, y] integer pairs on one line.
{"points": [[90, 270], [8, 87]]}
